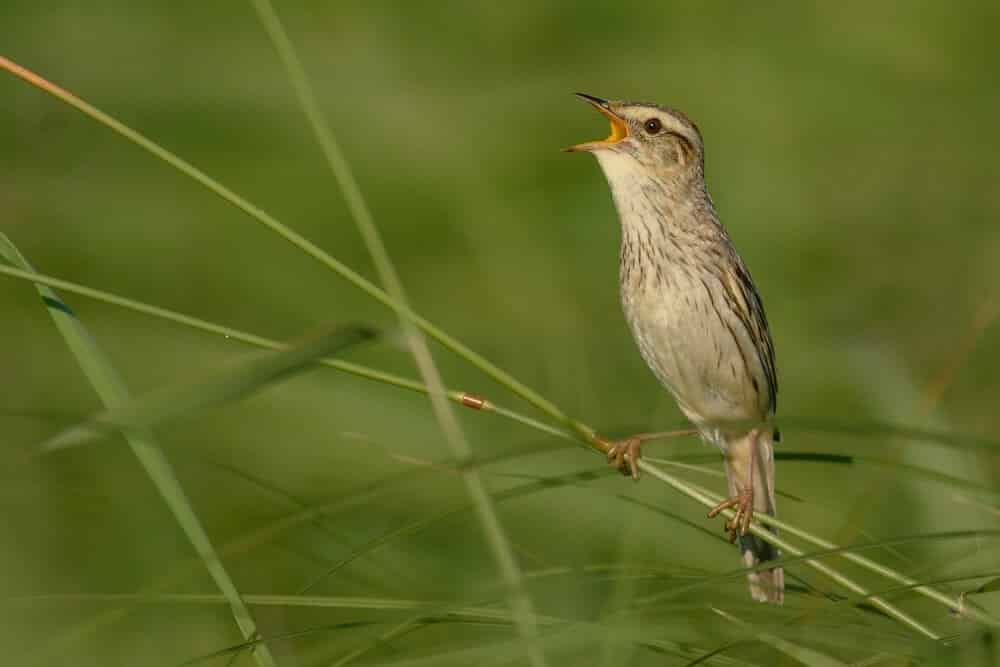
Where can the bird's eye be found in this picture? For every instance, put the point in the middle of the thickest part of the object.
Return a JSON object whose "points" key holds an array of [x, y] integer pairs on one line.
{"points": [[653, 125]]}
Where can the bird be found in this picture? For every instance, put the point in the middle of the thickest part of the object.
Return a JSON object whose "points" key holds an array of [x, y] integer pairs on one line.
{"points": [[694, 312]]}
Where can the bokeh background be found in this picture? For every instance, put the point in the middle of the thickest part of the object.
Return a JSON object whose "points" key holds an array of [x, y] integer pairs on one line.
{"points": [[851, 152]]}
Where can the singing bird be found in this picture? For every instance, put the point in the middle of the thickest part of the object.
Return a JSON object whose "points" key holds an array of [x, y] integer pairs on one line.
{"points": [[693, 310]]}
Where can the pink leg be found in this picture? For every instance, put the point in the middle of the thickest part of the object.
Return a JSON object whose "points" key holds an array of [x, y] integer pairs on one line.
{"points": [[624, 455], [743, 501]]}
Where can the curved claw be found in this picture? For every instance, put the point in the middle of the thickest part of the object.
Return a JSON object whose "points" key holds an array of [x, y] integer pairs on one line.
{"points": [[740, 523], [624, 456]]}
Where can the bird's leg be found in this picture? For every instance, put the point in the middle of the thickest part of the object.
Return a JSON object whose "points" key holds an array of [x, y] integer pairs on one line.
{"points": [[742, 501], [624, 454]]}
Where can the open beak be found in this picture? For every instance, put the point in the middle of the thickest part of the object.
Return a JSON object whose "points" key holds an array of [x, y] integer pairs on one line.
{"points": [[619, 130]]}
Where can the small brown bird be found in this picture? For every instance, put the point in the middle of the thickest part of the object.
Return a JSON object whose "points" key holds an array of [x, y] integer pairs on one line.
{"points": [[693, 310]]}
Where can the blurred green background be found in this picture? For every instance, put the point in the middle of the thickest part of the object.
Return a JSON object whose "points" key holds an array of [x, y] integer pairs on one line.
{"points": [[851, 152]]}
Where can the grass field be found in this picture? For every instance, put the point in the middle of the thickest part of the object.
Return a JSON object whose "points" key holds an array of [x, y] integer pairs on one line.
{"points": [[849, 151]]}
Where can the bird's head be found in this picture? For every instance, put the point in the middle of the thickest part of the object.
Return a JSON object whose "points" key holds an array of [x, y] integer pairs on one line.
{"points": [[646, 139]]}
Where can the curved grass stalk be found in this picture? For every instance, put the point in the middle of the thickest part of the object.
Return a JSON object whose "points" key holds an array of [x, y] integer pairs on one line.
{"points": [[954, 604], [496, 537], [838, 551], [580, 430], [113, 393], [463, 398], [697, 493], [421, 608], [460, 397], [870, 429], [805, 655], [286, 233], [481, 608]]}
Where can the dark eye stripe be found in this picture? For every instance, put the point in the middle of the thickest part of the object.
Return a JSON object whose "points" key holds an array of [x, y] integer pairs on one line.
{"points": [[685, 142]]}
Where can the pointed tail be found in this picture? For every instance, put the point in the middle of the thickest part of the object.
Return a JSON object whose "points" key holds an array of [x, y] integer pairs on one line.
{"points": [[765, 585]]}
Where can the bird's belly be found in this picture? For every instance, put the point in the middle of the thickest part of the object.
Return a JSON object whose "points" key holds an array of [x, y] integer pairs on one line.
{"points": [[693, 353]]}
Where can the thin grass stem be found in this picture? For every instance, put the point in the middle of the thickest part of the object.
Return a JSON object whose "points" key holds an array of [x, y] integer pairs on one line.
{"points": [[953, 604], [422, 608], [230, 333], [700, 495], [111, 389], [286, 233], [496, 537]]}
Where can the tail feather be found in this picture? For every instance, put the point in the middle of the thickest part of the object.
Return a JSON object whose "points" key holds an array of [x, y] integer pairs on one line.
{"points": [[765, 585]]}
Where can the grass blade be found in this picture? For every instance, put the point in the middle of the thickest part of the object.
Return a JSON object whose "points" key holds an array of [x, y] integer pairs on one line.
{"points": [[706, 499], [989, 587], [174, 401], [459, 397], [806, 656], [111, 389], [495, 535], [286, 233]]}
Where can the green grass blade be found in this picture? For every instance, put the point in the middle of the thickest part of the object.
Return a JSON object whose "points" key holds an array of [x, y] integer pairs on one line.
{"points": [[706, 499], [443, 609], [416, 525], [806, 656], [358, 370], [879, 429], [493, 530], [242, 379], [111, 389], [989, 587], [839, 551], [286, 233]]}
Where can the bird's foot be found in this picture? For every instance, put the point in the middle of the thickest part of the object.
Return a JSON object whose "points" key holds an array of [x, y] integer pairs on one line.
{"points": [[623, 455], [740, 523]]}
